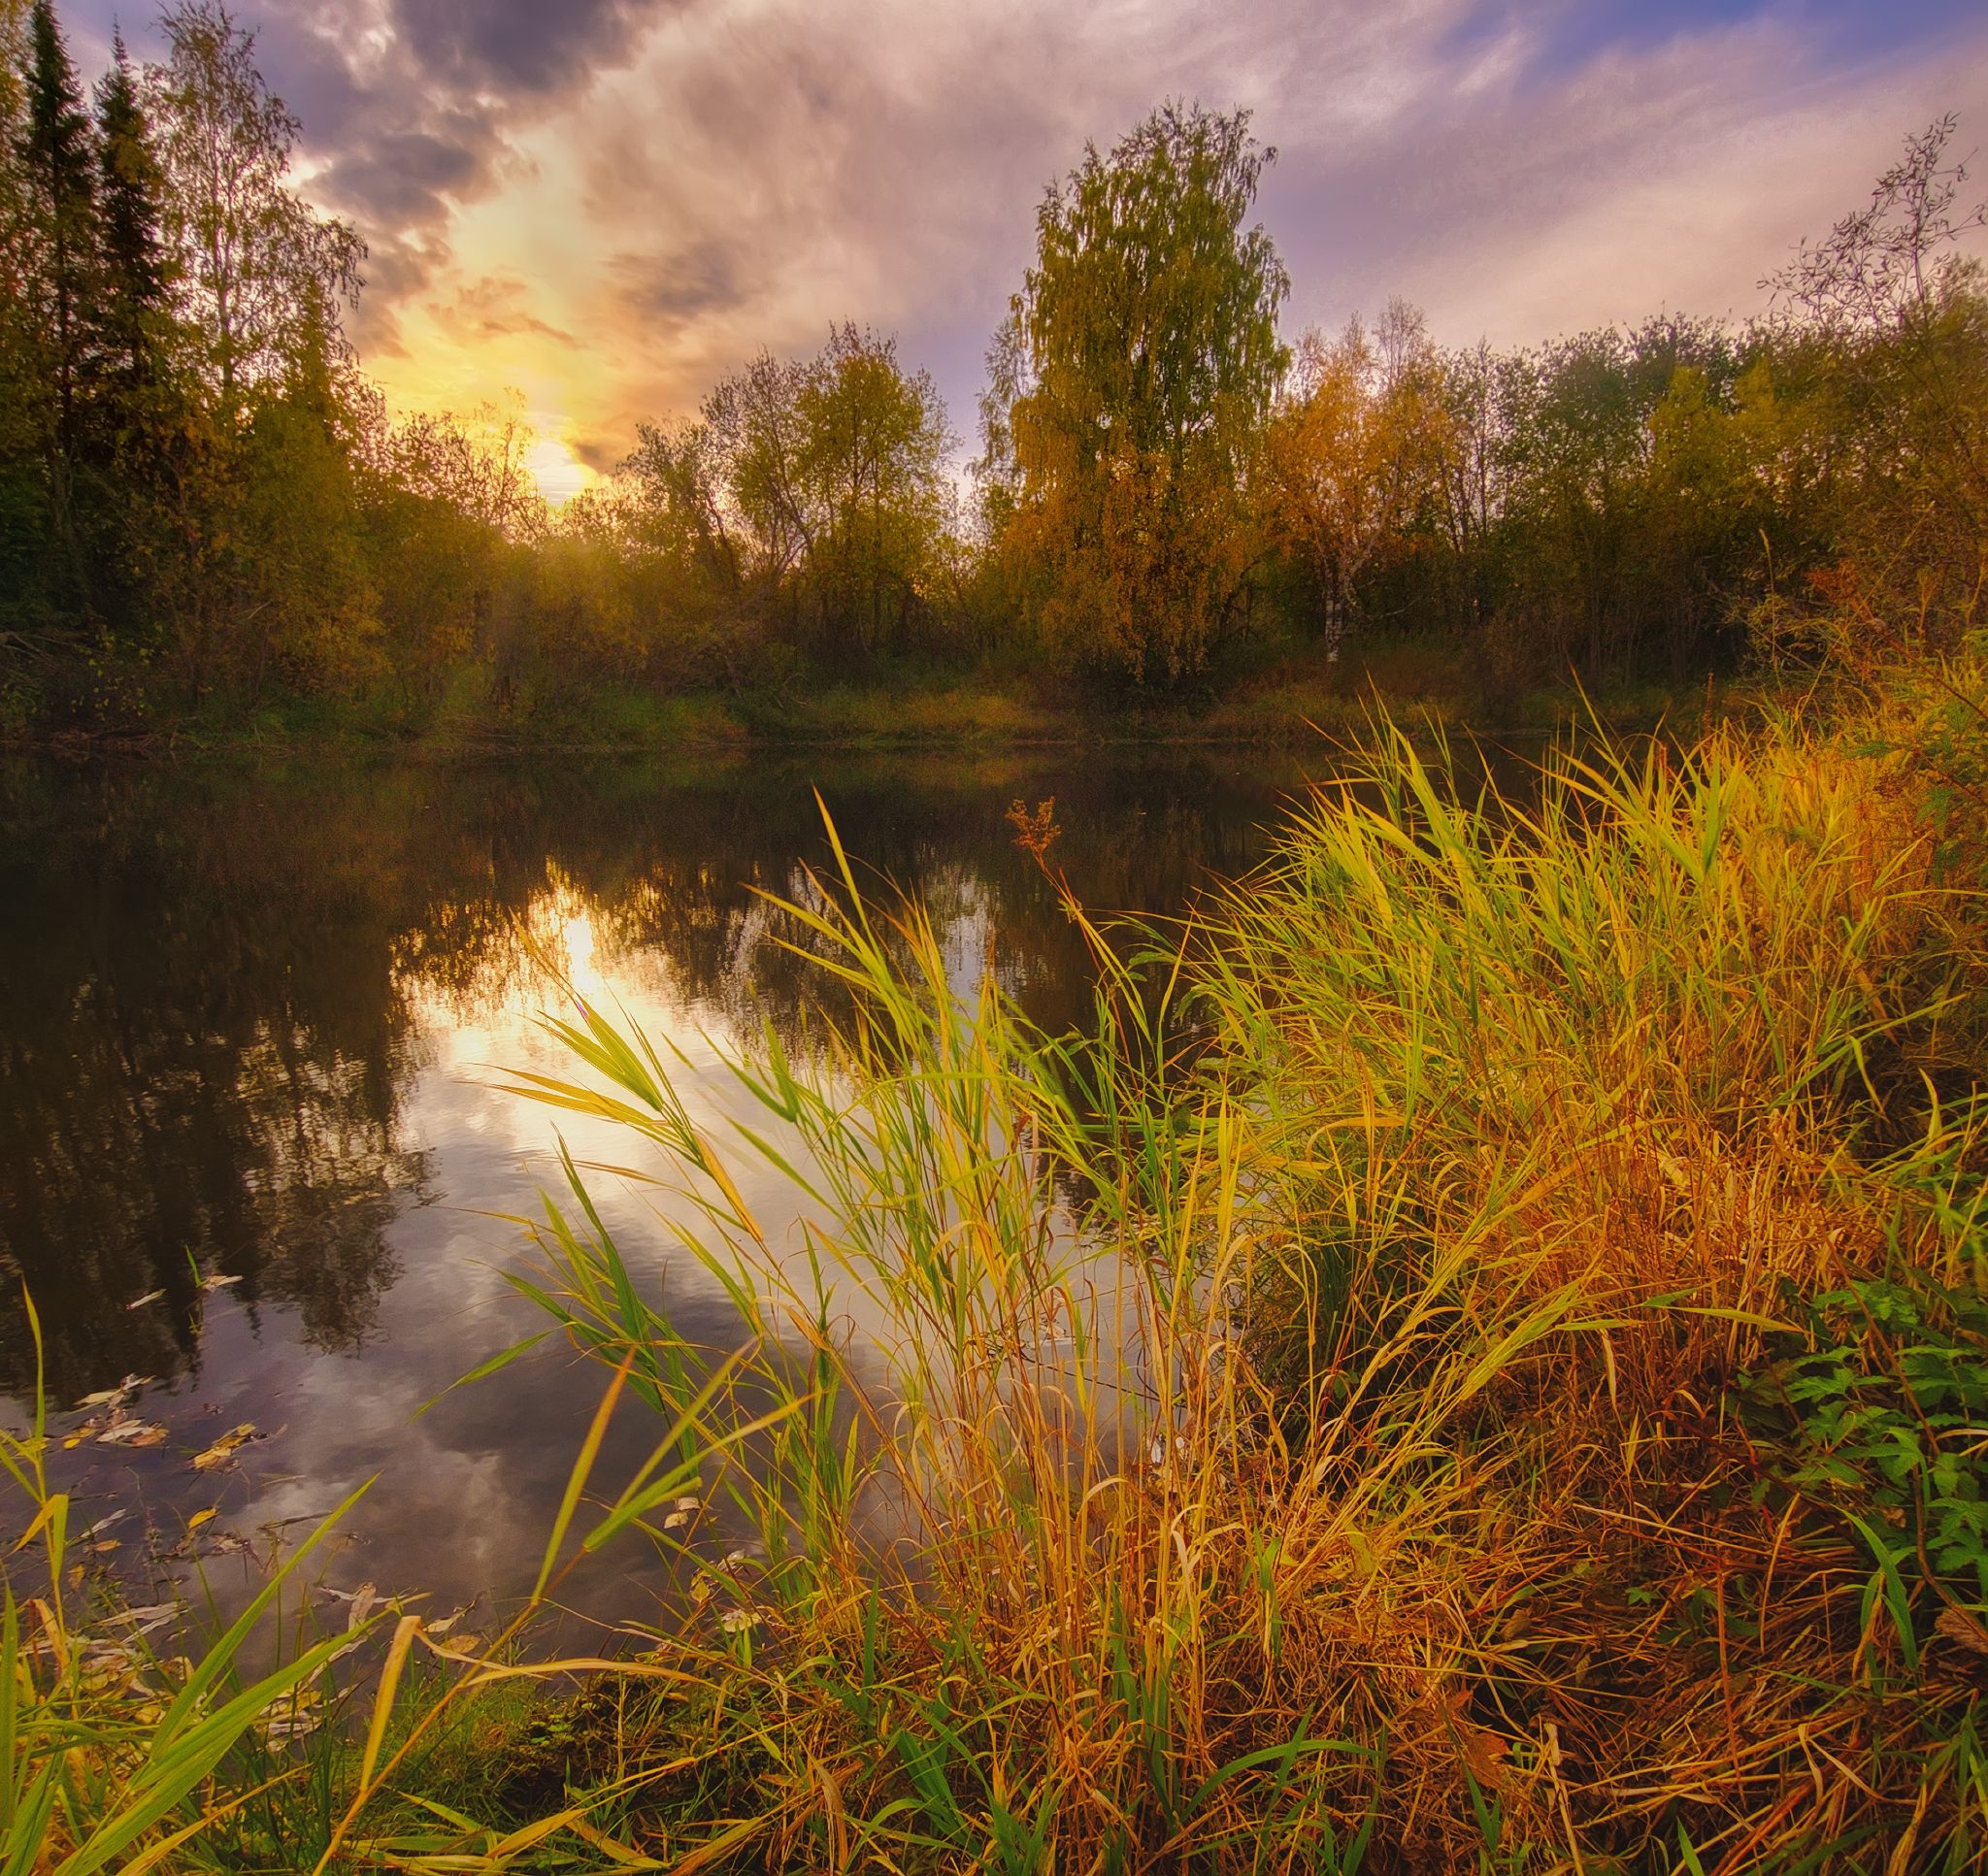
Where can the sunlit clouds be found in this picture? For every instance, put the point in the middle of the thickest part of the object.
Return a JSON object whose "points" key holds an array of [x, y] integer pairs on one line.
{"points": [[602, 207]]}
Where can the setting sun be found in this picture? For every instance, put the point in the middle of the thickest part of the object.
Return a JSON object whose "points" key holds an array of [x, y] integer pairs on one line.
{"points": [[559, 473]]}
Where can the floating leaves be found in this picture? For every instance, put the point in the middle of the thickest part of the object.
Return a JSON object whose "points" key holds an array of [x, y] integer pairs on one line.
{"points": [[221, 1453], [116, 1397], [680, 1514], [139, 1303], [145, 1619], [120, 1428], [126, 1429], [295, 1715], [361, 1602], [94, 1540]]}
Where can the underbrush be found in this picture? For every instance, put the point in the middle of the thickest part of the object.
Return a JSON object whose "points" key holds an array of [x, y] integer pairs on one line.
{"points": [[1423, 1386], [1476, 1359]]}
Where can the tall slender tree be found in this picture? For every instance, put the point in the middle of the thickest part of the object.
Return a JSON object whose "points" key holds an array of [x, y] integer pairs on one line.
{"points": [[257, 265], [133, 428], [24, 506], [1130, 384], [137, 271], [59, 169]]}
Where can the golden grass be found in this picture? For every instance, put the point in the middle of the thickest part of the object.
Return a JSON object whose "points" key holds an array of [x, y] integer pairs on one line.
{"points": [[1304, 1424], [1510, 1139]]}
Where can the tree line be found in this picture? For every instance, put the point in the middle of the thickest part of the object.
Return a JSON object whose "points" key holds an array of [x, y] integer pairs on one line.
{"points": [[204, 503]]}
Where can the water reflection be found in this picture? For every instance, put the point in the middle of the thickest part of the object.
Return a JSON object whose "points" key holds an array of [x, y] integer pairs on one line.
{"points": [[248, 1022]]}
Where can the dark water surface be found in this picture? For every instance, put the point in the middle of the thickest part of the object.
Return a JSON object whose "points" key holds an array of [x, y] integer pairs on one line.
{"points": [[250, 1016]]}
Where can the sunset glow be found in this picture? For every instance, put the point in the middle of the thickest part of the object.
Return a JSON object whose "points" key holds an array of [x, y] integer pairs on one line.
{"points": [[605, 206]]}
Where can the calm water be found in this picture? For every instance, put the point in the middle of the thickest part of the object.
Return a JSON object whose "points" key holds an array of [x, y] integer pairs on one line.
{"points": [[249, 1018]]}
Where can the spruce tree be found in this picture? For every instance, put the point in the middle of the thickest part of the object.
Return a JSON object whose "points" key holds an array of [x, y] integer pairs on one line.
{"points": [[60, 168], [23, 470], [59, 159], [130, 422], [131, 312]]}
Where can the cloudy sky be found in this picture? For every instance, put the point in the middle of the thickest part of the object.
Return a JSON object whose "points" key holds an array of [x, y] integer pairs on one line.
{"points": [[603, 204]]}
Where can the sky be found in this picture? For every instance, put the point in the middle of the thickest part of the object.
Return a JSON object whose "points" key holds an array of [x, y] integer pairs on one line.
{"points": [[596, 207]]}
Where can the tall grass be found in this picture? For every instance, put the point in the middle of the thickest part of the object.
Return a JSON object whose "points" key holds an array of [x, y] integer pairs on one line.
{"points": [[117, 1756], [1316, 1422], [1476, 1359], [111, 1758]]}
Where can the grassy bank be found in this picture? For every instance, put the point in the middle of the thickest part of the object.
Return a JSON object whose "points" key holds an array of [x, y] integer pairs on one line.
{"points": [[1279, 695], [1475, 1358]]}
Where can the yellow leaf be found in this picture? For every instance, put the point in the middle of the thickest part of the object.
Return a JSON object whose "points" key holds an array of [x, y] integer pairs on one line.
{"points": [[222, 1450]]}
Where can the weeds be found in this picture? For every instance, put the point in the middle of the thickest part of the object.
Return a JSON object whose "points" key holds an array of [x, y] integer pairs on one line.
{"points": [[1328, 1450], [1472, 1361]]}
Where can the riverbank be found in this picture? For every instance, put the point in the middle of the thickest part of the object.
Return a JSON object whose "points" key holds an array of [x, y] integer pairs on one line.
{"points": [[1281, 701], [1519, 1406]]}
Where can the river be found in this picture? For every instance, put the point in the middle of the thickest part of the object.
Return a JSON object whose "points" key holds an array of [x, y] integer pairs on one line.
{"points": [[252, 1149]]}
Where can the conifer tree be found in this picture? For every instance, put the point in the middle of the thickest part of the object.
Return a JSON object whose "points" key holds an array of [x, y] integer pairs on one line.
{"points": [[59, 161], [24, 506], [132, 420], [137, 274]]}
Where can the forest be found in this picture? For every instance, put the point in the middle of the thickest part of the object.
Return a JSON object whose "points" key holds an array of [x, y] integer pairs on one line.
{"points": [[206, 507], [1082, 1308]]}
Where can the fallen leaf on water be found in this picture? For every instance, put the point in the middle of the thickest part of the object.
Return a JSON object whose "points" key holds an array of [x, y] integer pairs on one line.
{"points": [[222, 1450], [218, 1282], [154, 1615], [150, 1296], [293, 1716], [107, 1657], [132, 1433], [106, 1397], [199, 1517]]}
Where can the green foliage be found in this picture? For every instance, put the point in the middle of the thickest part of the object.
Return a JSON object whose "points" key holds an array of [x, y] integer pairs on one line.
{"points": [[807, 503], [1128, 388], [205, 508], [256, 263], [1881, 1403]]}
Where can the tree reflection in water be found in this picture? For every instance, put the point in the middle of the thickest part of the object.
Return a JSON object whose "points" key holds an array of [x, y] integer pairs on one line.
{"points": [[222, 986]]}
